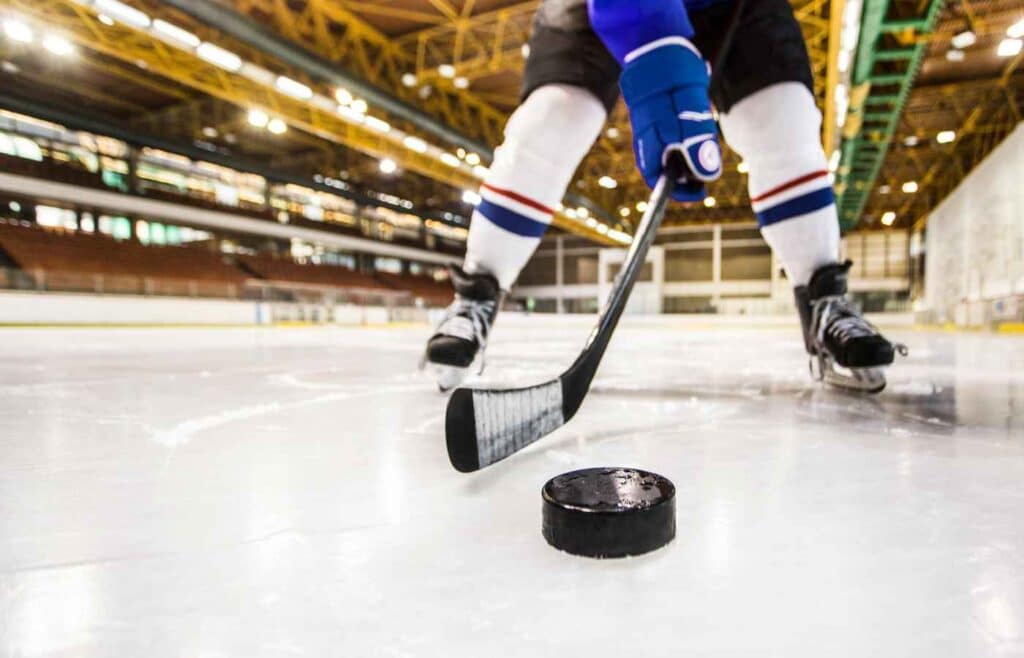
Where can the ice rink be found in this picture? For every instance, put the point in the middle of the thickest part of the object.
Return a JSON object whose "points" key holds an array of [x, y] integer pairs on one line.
{"points": [[286, 492]]}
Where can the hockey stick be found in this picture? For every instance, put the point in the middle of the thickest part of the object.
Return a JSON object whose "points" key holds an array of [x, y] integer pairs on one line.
{"points": [[484, 426]]}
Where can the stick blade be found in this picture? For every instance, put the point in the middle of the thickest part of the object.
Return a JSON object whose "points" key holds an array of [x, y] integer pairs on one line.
{"points": [[485, 426]]}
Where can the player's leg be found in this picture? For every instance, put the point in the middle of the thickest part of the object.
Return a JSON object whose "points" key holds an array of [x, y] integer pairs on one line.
{"points": [[769, 117], [570, 84]]}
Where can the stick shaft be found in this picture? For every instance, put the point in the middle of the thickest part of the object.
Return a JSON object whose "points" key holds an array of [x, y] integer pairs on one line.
{"points": [[576, 381]]}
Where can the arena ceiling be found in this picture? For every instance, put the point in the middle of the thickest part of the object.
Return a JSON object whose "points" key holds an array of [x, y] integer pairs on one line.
{"points": [[446, 73]]}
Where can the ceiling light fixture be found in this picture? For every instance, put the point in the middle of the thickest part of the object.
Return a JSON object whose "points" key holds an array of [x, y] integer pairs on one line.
{"points": [[18, 31], [58, 45], [1016, 31], [964, 39], [122, 12], [1010, 47], [277, 127], [217, 56]]}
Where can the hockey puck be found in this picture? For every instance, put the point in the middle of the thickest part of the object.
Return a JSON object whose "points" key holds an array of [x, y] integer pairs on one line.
{"points": [[609, 512]]}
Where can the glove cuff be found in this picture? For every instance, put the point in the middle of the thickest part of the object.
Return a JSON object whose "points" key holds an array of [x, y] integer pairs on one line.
{"points": [[660, 66]]}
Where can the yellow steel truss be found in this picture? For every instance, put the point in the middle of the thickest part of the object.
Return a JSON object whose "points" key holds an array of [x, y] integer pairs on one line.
{"points": [[139, 48], [476, 44]]}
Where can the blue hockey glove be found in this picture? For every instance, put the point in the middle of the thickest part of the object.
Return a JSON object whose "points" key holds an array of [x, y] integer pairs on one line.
{"points": [[665, 85]]}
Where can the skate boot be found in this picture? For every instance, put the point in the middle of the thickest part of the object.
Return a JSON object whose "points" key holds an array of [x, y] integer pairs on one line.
{"points": [[461, 337], [845, 349]]}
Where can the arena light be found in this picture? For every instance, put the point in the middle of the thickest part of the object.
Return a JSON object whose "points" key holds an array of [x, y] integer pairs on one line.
{"points": [[888, 218], [409, 79], [472, 159], [964, 39], [910, 187], [450, 160], [607, 182], [59, 46], [258, 118], [481, 171], [1010, 47], [619, 236], [1016, 31], [843, 60], [343, 96], [379, 125], [122, 12], [293, 88], [743, 167], [277, 127], [18, 31], [602, 229], [945, 137], [350, 114], [471, 197], [175, 33], [106, 20], [624, 212], [415, 144], [641, 206], [446, 71], [710, 202], [217, 56], [388, 166], [582, 212], [461, 82], [360, 106]]}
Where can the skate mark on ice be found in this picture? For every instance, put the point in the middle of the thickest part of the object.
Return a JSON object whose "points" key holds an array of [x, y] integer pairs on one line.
{"points": [[185, 431], [422, 428], [204, 550]]}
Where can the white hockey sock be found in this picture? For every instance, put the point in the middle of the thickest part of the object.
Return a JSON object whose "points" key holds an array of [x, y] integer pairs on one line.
{"points": [[545, 140], [776, 131]]}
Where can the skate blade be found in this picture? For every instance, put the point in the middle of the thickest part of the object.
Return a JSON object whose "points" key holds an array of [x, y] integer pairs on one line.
{"points": [[857, 380]]}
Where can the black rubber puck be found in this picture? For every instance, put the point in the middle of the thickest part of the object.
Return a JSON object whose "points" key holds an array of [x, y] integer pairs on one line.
{"points": [[609, 512]]}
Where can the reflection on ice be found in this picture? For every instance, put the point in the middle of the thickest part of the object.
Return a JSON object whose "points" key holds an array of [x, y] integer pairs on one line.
{"points": [[287, 492]]}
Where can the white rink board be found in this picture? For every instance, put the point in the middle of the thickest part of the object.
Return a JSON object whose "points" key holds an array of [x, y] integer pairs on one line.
{"points": [[266, 492], [976, 237], [62, 308], [31, 308]]}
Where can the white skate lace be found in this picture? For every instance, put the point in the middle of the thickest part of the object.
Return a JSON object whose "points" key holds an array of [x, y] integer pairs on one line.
{"points": [[839, 319], [468, 319]]}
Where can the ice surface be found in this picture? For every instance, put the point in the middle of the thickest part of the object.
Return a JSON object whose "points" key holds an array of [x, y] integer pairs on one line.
{"points": [[285, 492]]}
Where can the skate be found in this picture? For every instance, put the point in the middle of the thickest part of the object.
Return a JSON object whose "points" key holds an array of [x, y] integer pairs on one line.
{"points": [[845, 349], [461, 337]]}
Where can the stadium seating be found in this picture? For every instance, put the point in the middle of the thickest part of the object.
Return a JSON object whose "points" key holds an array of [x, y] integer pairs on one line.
{"points": [[64, 260], [433, 293], [72, 261], [288, 271]]}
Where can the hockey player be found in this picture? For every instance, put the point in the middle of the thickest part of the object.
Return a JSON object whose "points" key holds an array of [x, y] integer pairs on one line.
{"points": [[582, 52]]}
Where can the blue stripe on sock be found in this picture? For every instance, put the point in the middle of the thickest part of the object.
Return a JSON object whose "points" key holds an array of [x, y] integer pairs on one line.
{"points": [[512, 221], [801, 205]]}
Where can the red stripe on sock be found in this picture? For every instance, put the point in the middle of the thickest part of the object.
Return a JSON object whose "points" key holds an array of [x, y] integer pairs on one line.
{"points": [[519, 198], [791, 184]]}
